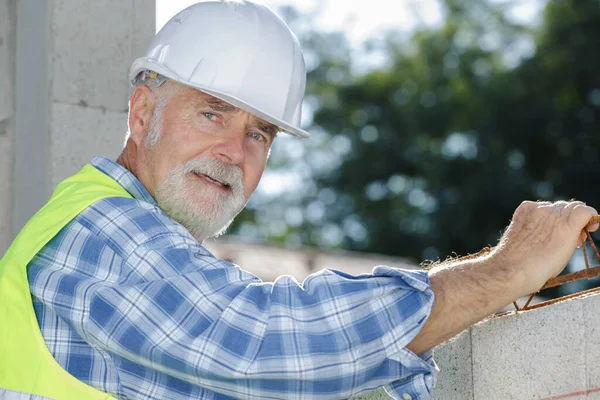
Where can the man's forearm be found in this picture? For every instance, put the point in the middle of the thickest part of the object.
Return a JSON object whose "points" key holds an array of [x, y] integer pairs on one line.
{"points": [[466, 291]]}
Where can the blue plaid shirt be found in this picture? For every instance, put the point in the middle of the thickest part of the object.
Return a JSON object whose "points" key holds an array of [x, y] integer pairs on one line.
{"points": [[130, 303]]}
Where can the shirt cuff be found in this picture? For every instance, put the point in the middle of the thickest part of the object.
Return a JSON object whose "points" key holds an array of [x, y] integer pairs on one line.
{"points": [[415, 278], [420, 384]]}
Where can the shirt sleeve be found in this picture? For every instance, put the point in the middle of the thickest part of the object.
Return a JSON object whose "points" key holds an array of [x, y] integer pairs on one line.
{"points": [[208, 322]]}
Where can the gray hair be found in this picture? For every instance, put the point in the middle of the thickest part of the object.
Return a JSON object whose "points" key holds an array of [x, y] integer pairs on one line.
{"points": [[162, 95]]}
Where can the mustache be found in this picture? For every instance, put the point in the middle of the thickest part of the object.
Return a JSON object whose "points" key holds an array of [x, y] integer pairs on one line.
{"points": [[228, 174]]}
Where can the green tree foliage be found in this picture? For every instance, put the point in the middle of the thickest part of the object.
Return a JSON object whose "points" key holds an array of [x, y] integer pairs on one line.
{"points": [[430, 153]]}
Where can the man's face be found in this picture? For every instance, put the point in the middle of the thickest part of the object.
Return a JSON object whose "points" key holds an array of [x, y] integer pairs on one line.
{"points": [[207, 162]]}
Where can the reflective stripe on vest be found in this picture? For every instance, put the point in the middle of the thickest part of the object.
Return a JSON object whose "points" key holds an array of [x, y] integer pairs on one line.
{"points": [[6, 394], [27, 368]]}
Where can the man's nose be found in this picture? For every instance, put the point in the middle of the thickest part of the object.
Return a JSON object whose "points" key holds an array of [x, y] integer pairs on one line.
{"points": [[230, 148]]}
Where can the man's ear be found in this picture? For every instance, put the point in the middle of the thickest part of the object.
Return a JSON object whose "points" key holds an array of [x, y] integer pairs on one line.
{"points": [[141, 108]]}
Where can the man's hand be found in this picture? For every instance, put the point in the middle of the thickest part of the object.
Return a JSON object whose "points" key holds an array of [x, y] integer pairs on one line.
{"points": [[541, 239], [537, 245]]}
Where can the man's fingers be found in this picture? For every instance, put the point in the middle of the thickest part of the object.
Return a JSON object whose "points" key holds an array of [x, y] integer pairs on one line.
{"points": [[586, 213], [594, 224], [579, 214], [582, 238], [582, 214]]}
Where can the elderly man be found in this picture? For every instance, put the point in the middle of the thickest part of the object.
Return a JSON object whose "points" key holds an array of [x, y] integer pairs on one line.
{"points": [[108, 292]]}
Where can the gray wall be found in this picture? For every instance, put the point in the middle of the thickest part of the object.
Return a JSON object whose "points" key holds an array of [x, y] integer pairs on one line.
{"points": [[7, 84], [63, 92]]}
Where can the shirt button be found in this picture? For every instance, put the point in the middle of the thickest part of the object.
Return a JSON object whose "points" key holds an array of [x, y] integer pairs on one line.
{"points": [[407, 396]]}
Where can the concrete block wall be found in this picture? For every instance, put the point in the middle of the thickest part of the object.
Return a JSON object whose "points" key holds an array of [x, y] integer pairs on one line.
{"points": [[548, 353], [63, 92], [92, 51], [7, 109]]}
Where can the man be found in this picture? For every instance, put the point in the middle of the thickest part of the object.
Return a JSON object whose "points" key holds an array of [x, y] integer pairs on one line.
{"points": [[129, 303]]}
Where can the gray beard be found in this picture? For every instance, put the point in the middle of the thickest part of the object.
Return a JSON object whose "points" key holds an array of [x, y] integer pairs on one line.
{"points": [[203, 210]]}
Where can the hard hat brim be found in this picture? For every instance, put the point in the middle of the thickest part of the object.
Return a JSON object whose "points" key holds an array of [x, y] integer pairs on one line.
{"points": [[285, 127], [145, 63]]}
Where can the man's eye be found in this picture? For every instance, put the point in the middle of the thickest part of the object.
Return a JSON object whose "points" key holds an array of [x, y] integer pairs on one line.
{"points": [[211, 116], [257, 136]]}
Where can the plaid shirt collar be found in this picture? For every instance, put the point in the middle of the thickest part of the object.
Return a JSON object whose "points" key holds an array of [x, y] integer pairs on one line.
{"points": [[124, 177]]}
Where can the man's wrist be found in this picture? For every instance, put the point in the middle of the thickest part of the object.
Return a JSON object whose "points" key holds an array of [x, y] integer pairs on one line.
{"points": [[508, 271]]}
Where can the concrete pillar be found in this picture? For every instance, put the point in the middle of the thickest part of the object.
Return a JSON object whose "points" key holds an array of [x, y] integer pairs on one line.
{"points": [[63, 92], [31, 141], [7, 110]]}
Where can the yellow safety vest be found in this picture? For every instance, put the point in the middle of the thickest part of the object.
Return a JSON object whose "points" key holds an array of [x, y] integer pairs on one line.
{"points": [[26, 365]]}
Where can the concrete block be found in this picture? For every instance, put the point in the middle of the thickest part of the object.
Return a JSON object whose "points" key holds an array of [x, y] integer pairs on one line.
{"points": [[144, 27], [7, 59], [7, 81], [591, 317], [6, 171], [455, 380], [535, 354], [95, 43], [78, 133]]}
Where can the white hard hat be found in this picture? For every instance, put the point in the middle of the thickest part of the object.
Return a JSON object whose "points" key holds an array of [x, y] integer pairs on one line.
{"points": [[238, 51]]}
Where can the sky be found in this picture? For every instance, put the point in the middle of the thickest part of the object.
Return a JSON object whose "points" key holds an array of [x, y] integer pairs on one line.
{"points": [[361, 19], [365, 19]]}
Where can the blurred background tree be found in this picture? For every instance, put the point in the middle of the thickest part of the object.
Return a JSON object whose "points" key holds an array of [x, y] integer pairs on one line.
{"points": [[429, 153]]}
